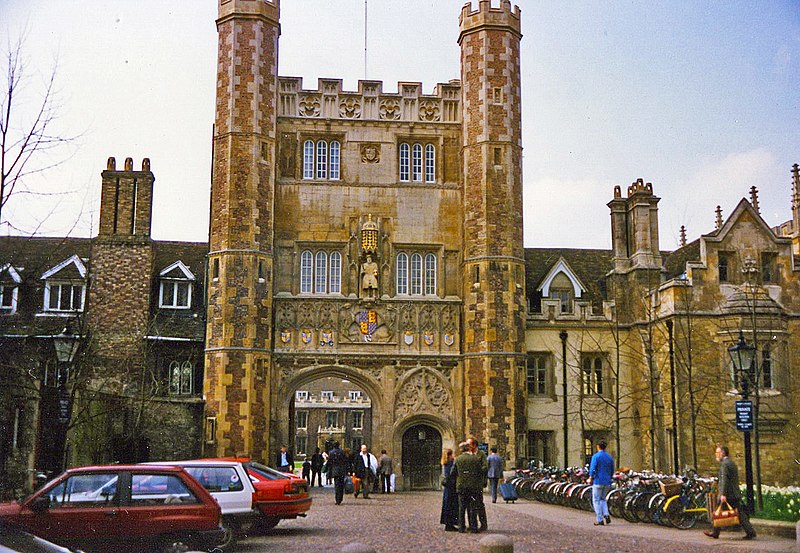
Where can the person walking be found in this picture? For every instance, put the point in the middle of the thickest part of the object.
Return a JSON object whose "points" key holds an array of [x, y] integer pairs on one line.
{"points": [[306, 470], [601, 472], [284, 460], [449, 516], [385, 471], [469, 486], [316, 468], [365, 467], [495, 472], [480, 508], [729, 492], [337, 470]]}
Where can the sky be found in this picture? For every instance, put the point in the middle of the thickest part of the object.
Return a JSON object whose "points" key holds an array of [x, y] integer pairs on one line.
{"points": [[701, 98]]}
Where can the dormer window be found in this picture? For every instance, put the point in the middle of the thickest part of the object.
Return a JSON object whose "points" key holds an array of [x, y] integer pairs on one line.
{"points": [[301, 395], [65, 287], [562, 284], [176, 287], [354, 395], [327, 395], [9, 289]]}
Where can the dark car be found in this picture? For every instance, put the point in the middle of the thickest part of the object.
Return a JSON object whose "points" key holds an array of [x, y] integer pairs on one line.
{"points": [[140, 508], [14, 540]]}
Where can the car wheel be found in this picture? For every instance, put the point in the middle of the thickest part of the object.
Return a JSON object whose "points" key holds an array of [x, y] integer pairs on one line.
{"points": [[230, 531], [266, 524], [174, 546]]}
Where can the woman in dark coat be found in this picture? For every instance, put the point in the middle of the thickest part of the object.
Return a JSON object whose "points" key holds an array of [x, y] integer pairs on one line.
{"points": [[449, 515]]}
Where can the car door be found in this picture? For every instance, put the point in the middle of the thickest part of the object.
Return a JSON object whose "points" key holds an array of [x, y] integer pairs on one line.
{"points": [[82, 506]]}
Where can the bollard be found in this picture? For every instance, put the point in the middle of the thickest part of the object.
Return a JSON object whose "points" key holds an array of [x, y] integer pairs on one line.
{"points": [[357, 548], [797, 537], [496, 543]]}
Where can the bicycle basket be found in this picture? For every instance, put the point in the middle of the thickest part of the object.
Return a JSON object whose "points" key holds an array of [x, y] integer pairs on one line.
{"points": [[670, 487]]}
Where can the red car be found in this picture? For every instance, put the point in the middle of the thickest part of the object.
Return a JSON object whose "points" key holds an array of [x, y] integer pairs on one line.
{"points": [[278, 495], [155, 508]]}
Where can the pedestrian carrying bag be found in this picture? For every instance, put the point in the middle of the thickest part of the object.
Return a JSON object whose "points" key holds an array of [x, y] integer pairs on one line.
{"points": [[724, 515], [348, 485]]}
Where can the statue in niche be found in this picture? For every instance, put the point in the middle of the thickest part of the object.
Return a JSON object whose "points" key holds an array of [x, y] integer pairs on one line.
{"points": [[369, 278]]}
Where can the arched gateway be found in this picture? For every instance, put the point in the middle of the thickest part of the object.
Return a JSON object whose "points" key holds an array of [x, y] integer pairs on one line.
{"points": [[413, 413]]}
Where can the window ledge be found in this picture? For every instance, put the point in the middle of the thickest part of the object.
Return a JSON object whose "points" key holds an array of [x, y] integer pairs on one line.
{"points": [[58, 313]]}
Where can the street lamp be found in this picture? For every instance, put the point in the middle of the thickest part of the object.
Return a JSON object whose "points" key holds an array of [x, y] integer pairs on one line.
{"points": [[742, 355], [66, 346]]}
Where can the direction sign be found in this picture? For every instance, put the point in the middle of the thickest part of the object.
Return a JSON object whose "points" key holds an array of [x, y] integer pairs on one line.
{"points": [[744, 414]]}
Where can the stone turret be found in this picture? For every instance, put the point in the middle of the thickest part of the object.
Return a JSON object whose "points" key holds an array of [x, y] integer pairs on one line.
{"points": [[493, 264], [239, 327]]}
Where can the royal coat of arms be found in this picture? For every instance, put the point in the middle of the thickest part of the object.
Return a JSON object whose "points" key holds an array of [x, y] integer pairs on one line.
{"points": [[367, 323]]}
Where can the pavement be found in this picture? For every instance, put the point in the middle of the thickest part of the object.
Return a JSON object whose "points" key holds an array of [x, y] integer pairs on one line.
{"points": [[409, 522]]}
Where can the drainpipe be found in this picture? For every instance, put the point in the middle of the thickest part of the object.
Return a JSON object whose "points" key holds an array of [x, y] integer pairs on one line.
{"points": [[563, 335]]}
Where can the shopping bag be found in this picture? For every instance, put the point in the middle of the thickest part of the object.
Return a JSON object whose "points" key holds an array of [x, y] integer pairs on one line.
{"points": [[724, 515], [356, 484]]}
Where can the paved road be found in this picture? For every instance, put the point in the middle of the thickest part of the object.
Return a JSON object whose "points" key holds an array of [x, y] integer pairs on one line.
{"points": [[407, 522]]}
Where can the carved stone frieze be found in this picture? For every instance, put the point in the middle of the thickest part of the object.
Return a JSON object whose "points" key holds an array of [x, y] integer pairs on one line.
{"points": [[309, 106], [423, 391], [350, 108], [389, 110], [429, 110]]}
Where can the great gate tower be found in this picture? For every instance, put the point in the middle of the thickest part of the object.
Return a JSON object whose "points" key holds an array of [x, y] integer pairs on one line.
{"points": [[238, 337], [493, 264]]}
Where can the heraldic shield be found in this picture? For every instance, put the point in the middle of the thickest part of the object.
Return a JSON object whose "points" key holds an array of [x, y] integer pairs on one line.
{"points": [[367, 322]]}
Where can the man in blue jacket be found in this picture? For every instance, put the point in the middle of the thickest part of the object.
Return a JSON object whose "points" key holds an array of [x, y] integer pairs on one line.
{"points": [[601, 471]]}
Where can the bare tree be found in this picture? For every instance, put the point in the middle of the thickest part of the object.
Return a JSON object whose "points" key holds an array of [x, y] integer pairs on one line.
{"points": [[29, 142]]}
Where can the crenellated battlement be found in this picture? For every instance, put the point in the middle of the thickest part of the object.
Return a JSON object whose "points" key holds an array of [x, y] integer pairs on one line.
{"points": [[488, 16], [111, 164], [268, 9], [370, 102]]}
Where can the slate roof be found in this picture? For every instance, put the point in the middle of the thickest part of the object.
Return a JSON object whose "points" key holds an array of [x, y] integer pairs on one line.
{"points": [[675, 262], [31, 257], [591, 266]]}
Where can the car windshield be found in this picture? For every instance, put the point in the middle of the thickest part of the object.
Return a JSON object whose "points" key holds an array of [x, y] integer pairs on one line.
{"points": [[266, 472], [216, 479]]}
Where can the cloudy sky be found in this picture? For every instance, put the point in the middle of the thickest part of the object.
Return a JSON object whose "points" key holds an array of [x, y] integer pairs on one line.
{"points": [[699, 98]]}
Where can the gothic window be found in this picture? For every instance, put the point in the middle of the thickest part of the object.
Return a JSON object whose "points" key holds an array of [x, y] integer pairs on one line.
{"points": [[430, 274], [723, 266], [417, 162], [540, 447], [404, 162], [540, 374], [358, 420], [302, 420], [592, 375], [768, 273], [561, 289], [430, 163], [417, 277], [767, 380], [331, 419], [320, 272], [181, 378], [402, 274], [321, 160]]}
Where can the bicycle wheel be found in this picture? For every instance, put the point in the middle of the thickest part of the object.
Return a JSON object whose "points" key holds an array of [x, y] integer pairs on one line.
{"points": [[640, 506], [616, 499], [656, 508], [678, 516], [627, 507]]}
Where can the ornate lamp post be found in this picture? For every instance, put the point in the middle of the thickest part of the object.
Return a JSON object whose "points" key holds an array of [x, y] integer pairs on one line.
{"points": [[742, 355], [66, 346]]}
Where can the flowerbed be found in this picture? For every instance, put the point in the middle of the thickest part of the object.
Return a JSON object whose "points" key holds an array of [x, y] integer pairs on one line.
{"points": [[780, 503]]}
